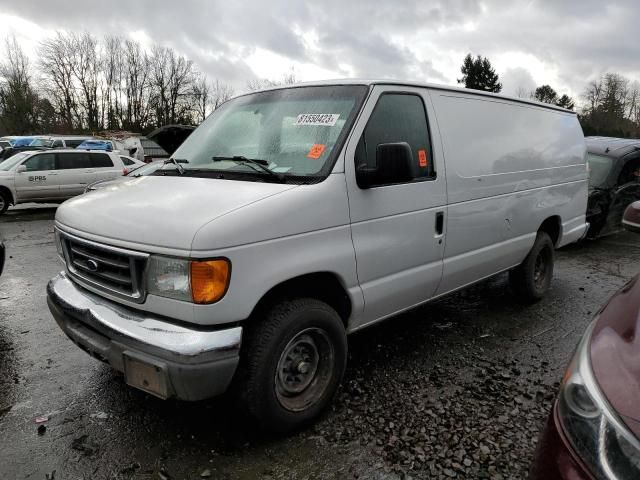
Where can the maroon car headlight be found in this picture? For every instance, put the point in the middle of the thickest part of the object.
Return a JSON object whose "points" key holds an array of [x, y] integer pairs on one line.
{"points": [[593, 428]]}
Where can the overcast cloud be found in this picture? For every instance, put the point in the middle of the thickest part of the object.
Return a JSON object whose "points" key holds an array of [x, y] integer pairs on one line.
{"points": [[564, 43]]}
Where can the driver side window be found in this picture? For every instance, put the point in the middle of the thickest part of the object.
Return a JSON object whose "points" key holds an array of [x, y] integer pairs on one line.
{"points": [[398, 118], [41, 162]]}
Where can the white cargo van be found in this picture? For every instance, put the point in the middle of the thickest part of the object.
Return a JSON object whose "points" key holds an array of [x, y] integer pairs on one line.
{"points": [[295, 216]]}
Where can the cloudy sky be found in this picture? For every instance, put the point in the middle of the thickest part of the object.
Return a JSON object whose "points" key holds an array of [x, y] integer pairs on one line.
{"points": [[564, 43]]}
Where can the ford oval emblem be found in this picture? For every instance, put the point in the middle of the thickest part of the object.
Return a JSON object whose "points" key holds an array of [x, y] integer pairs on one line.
{"points": [[92, 265]]}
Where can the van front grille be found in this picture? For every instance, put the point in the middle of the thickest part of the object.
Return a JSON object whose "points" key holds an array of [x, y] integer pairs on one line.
{"points": [[110, 269]]}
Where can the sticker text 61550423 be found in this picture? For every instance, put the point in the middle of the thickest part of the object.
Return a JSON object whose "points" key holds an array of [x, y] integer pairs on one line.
{"points": [[319, 119]]}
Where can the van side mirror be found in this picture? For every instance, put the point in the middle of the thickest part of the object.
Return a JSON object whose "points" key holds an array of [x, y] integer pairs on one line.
{"points": [[393, 165], [21, 168], [631, 218]]}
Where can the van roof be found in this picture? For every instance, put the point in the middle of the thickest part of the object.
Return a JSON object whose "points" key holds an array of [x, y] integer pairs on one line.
{"points": [[369, 82], [612, 146]]}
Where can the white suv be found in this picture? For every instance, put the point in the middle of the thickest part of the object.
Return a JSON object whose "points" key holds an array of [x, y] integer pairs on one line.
{"points": [[54, 175]]}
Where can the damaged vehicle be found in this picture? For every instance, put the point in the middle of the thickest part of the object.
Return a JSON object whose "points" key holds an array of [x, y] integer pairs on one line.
{"points": [[294, 216], [614, 182], [593, 430]]}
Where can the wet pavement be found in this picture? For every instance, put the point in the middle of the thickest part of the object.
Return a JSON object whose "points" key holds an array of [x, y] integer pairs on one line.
{"points": [[456, 389]]}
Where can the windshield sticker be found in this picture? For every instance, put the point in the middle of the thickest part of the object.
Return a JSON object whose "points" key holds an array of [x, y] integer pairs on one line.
{"points": [[321, 119], [316, 151], [422, 158]]}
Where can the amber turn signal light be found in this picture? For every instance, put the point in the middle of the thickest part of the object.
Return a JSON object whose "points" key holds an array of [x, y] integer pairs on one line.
{"points": [[209, 280]]}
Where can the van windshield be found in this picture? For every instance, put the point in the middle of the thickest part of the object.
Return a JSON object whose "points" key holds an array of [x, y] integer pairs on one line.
{"points": [[293, 132], [599, 168]]}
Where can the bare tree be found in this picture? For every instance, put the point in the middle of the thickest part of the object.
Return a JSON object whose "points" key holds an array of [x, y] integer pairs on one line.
{"points": [[56, 65], [592, 94], [221, 93], [137, 87], [201, 91], [112, 71], [260, 83], [181, 78], [18, 99], [86, 69]]}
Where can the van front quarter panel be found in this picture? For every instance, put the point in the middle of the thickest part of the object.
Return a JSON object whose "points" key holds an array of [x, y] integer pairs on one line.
{"points": [[303, 231]]}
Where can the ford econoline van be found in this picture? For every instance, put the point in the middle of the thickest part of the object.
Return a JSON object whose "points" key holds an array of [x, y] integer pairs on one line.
{"points": [[294, 216]]}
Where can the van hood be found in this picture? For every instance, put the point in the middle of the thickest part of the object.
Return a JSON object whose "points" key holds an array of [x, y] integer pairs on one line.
{"points": [[160, 212]]}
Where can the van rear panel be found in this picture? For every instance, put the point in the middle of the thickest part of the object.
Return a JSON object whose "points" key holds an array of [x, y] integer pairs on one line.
{"points": [[494, 146], [509, 167]]}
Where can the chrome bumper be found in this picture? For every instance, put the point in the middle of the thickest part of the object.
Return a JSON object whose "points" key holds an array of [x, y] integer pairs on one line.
{"points": [[192, 364]]}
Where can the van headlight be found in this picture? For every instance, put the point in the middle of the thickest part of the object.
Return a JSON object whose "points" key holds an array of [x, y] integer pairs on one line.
{"points": [[197, 281], [590, 424]]}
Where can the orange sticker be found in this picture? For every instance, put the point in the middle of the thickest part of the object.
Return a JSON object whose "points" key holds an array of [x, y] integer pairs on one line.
{"points": [[422, 158], [316, 151]]}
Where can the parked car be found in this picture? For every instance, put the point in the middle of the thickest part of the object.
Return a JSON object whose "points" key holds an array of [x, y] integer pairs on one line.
{"points": [[142, 171], [53, 175], [593, 430], [294, 216], [144, 150], [18, 147], [614, 181], [60, 141], [5, 144], [131, 164], [95, 144]]}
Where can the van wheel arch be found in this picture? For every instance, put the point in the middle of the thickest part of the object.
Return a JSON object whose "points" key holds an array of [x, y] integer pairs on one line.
{"points": [[324, 286], [552, 226]]}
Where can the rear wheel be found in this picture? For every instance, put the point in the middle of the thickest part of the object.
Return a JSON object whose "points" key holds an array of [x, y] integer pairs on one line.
{"points": [[293, 361], [4, 201], [532, 278]]}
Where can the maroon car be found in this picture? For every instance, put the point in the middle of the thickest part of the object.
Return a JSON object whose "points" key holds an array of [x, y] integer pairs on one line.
{"points": [[594, 428]]}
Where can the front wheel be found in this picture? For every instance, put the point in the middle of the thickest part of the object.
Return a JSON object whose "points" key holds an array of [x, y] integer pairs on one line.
{"points": [[532, 278], [4, 202], [293, 361]]}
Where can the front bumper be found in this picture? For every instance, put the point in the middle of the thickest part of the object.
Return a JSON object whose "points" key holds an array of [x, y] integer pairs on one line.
{"points": [[156, 355]]}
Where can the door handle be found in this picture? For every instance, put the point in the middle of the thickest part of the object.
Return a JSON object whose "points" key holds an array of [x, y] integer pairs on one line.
{"points": [[439, 224]]}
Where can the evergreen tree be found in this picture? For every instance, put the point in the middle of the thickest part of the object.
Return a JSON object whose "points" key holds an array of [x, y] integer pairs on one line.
{"points": [[565, 101], [546, 94], [478, 74]]}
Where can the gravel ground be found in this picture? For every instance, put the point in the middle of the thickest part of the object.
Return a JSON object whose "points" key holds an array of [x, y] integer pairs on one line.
{"points": [[459, 388]]}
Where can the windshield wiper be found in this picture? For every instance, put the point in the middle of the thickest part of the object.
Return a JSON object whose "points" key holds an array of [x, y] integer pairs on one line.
{"points": [[176, 163], [261, 164]]}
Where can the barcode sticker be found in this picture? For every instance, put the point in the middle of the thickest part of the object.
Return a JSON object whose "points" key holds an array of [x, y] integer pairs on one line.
{"points": [[321, 119]]}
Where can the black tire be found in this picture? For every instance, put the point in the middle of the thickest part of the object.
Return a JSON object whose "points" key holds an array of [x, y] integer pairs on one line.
{"points": [[532, 278], [5, 199], [274, 381]]}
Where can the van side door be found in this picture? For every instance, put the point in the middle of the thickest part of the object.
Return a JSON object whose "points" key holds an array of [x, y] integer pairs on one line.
{"points": [[40, 180], [398, 227]]}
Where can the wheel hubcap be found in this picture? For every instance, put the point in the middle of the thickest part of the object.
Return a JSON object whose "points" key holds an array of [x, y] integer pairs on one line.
{"points": [[304, 369]]}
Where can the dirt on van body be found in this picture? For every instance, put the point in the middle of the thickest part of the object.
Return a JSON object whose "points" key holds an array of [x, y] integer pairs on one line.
{"points": [[459, 388]]}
